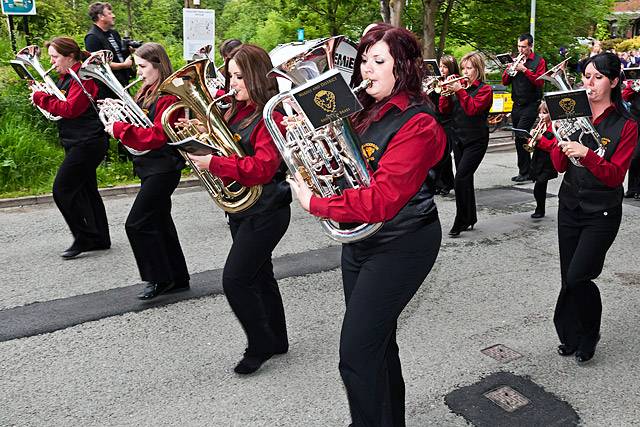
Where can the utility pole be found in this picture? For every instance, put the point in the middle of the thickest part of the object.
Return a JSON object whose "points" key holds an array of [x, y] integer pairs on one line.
{"points": [[532, 26]]}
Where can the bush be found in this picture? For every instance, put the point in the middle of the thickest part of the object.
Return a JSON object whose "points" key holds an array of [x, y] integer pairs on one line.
{"points": [[628, 44]]}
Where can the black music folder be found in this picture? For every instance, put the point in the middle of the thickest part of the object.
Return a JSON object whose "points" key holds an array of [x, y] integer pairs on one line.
{"points": [[193, 146], [21, 70], [504, 58], [431, 68], [326, 98], [568, 104], [631, 73]]}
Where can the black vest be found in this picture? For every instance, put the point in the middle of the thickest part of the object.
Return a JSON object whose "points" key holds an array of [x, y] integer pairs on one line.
{"points": [[523, 91], [469, 129], [123, 76], [634, 106], [421, 209], [275, 194], [161, 160], [580, 188], [85, 128]]}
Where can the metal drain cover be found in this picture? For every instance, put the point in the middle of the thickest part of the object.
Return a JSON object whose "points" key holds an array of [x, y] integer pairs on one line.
{"points": [[501, 353], [507, 398]]}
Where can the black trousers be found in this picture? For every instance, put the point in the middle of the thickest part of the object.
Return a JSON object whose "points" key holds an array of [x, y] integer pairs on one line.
{"points": [[584, 239], [152, 234], [523, 117], [468, 159], [444, 177], [540, 194], [75, 192], [634, 171], [249, 284], [379, 281]]}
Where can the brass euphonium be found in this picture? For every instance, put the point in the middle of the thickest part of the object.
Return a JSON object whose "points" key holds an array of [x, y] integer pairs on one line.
{"points": [[121, 109], [189, 85], [328, 158], [578, 129], [30, 56]]}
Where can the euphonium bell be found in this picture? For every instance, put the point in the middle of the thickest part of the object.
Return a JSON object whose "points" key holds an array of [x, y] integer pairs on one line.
{"points": [[189, 85]]}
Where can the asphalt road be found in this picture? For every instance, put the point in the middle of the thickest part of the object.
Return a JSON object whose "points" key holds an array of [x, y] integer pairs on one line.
{"points": [[172, 364]]}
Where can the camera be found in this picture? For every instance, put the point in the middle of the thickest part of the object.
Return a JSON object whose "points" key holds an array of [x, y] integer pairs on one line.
{"points": [[129, 44]]}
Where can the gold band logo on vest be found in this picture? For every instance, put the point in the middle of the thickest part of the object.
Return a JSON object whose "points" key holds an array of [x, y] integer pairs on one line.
{"points": [[325, 100], [604, 141], [368, 150], [568, 105]]}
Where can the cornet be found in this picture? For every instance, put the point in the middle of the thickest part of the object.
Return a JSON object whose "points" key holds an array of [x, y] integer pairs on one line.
{"points": [[443, 87], [533, 141], [511, 68]]}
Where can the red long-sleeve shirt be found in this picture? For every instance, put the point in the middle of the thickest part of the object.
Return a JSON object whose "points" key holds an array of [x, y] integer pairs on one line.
{"points": [[545, 144], [262, 165], [612, 172], [411, 153], [532, 76], [76, 103], [140, 138], [471, 105], [627, 93]]}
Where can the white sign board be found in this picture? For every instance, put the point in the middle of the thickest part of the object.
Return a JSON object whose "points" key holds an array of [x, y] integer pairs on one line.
{"points": [[199, 27]]}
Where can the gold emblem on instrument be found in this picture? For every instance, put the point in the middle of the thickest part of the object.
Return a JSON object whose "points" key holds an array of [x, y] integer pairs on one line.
{"points": [[325, 100], [430, 69], [604, 141], [368, 150], [568, 105]]}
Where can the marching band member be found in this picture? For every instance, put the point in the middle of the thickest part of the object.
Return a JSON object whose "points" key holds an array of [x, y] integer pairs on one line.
{"points": [[248, 280], [445, 181], [75, 188], [382, 272], [542, 169], [590, 208], [150, 228], [469, 109], [526, 91], [633, 186]]}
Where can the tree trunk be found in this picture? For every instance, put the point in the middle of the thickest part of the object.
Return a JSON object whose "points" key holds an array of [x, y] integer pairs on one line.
{"points": [[129, 19], [396, 7], [385, 12], [429, 28], [445, 27]]}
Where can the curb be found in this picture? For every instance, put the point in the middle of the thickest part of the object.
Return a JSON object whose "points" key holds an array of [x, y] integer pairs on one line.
{"points": [[104, 192]]}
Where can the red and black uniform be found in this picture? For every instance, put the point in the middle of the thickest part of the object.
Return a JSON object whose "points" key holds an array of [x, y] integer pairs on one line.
{"points": [[75, 188], [150, 228], [469, 109], [248, 280], [589, 216], [542, 169], [382, 272], [526, 92], [633, 189], [444, 175]]}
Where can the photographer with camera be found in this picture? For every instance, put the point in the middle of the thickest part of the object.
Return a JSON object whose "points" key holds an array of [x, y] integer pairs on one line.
{"points": [[102, 36]]}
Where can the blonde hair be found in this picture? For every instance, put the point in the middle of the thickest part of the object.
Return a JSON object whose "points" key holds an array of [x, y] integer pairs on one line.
{"points": [[477, 62]]}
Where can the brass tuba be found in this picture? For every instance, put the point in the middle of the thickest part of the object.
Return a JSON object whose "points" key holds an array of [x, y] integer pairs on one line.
{"points": [[328, 158], [579, 129], [122, 109], [30, 56], [189, 85]]}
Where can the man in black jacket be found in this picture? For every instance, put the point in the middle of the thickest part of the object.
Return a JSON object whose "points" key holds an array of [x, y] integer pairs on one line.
{"points": [[103, 36]]}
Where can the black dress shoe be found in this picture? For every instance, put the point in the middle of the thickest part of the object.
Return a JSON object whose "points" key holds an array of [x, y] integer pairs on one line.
{"points": [[152, 290], [582, 357], [445, 191], [250, 364], [636, 196], [537, 215], [70, 253], [520, 178], [566, 350], [179, 287], [455, 232]]}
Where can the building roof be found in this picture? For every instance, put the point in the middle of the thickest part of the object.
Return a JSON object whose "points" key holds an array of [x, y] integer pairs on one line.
{"points": [[627, 6]]}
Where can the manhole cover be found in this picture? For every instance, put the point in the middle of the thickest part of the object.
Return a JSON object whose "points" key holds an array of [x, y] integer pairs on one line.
{"points": [[501, 353], [507, 398]]}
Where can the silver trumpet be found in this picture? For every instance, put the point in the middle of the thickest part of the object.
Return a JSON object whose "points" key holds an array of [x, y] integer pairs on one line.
{"points": [[578, 129], [511, 68], [29, 56], [121, 109]]}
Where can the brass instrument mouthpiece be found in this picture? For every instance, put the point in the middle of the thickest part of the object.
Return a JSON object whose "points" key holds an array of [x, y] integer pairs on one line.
{"points": [[232, 92], [365, 84]]}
